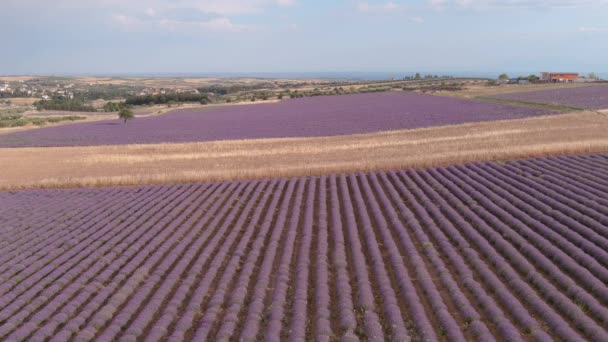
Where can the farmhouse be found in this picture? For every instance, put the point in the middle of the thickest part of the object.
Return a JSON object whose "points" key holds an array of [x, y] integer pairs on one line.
{"points": [[559, 76]]}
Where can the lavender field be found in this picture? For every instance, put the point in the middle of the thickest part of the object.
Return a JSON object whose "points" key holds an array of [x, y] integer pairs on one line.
{"points": [[589, 97], [485, 251], [307, 117]]}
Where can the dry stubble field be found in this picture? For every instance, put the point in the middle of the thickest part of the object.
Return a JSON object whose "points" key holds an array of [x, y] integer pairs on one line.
{"points": [[59, 167], [472, 91]]}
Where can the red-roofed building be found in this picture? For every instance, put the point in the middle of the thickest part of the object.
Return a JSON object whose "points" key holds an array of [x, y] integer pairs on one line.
{"points": [[559, 76]]}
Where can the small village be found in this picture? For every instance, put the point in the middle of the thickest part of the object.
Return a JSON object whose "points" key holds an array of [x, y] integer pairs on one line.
{"points": [[548, 77], [45, 89]]}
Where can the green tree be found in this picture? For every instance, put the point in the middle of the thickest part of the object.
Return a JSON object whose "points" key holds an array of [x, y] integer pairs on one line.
{"points": [[112, 106], [64, 104], [126, 114], [417, 76], [503, 77], [592, 76]]}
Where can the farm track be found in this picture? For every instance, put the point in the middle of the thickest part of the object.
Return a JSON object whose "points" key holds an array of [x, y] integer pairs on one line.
{"points": [[480, 251]]}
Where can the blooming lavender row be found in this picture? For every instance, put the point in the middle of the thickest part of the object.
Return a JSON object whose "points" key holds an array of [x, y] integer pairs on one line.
{"points": [[483, 251], [590, 97], [306, 117]]}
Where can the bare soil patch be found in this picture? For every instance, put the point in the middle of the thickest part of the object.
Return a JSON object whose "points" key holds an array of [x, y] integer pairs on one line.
{"points": [[21, 101]]}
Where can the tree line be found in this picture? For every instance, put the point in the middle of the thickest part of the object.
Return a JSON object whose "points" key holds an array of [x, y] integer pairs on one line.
{"points": [[14, 94], [106, 92], [231, 89], [166, 98], [67, 104]]}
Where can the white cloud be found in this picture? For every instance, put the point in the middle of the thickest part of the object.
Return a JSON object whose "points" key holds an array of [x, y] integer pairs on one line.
{"points": [[127, 23], [366, 7], [513, 4], [174, 15], [363, 7], [224, 7], [589, 29], [418, 20], [438, 4], [390, 5], [217, 7], [285, 3], [222, 24], [151, 12]]}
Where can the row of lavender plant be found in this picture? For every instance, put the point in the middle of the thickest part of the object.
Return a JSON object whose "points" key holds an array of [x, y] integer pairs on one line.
{"points": [[509, 226], [485, 251], [36, 277], [133, 235]]}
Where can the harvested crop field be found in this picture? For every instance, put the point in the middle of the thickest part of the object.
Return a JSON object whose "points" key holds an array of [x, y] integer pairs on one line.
{"points": [[306, 117], [508, 251], [588, 97], [85, 166]]}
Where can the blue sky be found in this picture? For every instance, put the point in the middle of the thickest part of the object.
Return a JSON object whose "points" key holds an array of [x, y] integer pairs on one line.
{"points": [[214, 36]]}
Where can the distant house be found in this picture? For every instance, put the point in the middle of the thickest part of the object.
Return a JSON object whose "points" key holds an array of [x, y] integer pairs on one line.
{"points": [[559, 76]]}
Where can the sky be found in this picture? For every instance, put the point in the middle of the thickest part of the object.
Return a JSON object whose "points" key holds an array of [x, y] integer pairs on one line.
{"points": [[286, 36]]}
